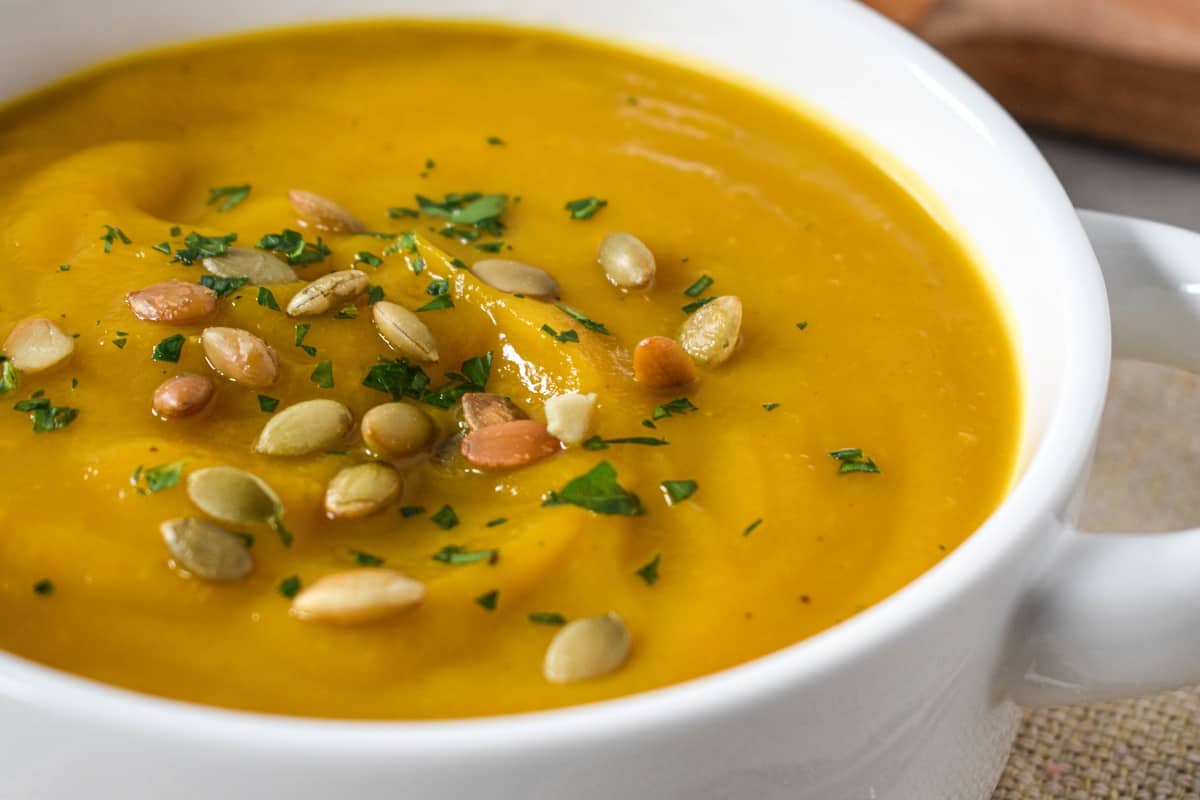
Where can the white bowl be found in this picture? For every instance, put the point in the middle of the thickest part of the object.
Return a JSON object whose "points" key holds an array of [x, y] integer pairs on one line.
{"points": [[916, 697]]}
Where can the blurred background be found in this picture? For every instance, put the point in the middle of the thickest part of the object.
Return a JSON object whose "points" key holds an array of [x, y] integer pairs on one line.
{"points": [[1110, 91]]}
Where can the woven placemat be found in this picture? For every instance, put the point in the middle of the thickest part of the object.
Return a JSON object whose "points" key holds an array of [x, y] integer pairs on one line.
{"points": [[1143, 480]]}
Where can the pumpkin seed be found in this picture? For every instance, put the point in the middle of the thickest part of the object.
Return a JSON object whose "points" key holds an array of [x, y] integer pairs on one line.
{"points": [[361, 490], [711, 334], [627, 261], [37, 344], [258, 267], [233, 495], [515, 277], [240, 356], [326, 291], [173, 301], [396, 430], [359, 595], [321, 212], [183, 395], [661, 363], [304, 428], [206, 550], [481, 409], [587, 648], [404, 331]]}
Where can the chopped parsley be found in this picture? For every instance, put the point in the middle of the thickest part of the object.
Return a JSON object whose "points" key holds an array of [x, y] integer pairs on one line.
{"points": [[597, 490], [437, 287], [397, 378], [119, 342], [697, 288], [437, 303], [175, 230], [168, 349], [374, 294], [495, 141], [565, 336], [366, 559], [750, 528], [289, 587], [405, 243], [266, 298], [348, 311], [110, 237], [45, 415], [67, 267], [491, 523], [267, 404], [322, 374], [801, 325], [470, 209], [411, 511], [196, 247], [399, 212], [291, 245], [8, 376], [445, 518], [596, 443], [547, 618], [44, 587], [276, 523], [368, 258], [223, 286], [247, 538], [585, 207], [591, 325], [490, 247], [678, 491], [302, 331], [677, 407], [770, 406], [151, 480], [851, 459], [649, 571], [457, 555], [489, 599], [691, 308], [161, 247], [229, 196], [401, 379]]}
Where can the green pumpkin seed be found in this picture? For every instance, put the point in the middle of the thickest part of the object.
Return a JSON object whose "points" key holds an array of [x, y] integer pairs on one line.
{"points": [[206, 550], [233, 495]]}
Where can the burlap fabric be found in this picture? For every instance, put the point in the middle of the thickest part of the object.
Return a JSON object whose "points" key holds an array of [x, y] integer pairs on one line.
{"points": [[1144, 480]]}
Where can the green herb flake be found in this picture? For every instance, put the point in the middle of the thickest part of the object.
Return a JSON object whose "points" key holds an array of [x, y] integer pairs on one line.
{"points": [[697, 288], [276, 523], [491, 523], [648, 424], [161, 247], [289, 587], [322, 374], [565, 336], [223, 286], [692, 308], [229, 196], [45, 415], [369, 259], [585, 207], [175, 230], [489, 600], [411, 511], [770, 406], [44, 587], [152, 480], [458, 263], [302, 331], [111, 236], [596, 443], [597, 490], [495, 141], [649, 572], [9, 377], [399, 212], [267, 404], [591, 325], [400, 379], [456, 555], [348, 311], [547, 618], [678, 491], [675, 408], [374, 294], [366, 559], [266, 298], [438, 287], [168, 349], [437, 303], [750, 528], [247, 538], [801, 325], [197, 247], [489, 247], [445, 518], [473, 209], [291, 245], [67, 267], [851, 459], [119, 342]]}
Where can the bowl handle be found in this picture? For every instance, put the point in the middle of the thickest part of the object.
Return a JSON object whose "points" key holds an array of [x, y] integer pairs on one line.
{"points": [[1118, 614]]}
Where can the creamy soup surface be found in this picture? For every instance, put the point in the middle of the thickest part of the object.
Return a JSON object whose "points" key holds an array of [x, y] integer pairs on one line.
{"points": [[862, 421]]}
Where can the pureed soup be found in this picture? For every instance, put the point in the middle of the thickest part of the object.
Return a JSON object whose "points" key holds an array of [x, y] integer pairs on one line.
{"points": [[400, 371]]}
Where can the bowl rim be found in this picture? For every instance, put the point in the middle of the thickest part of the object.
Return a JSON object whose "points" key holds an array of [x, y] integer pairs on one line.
{"points": [[1048, 480]]}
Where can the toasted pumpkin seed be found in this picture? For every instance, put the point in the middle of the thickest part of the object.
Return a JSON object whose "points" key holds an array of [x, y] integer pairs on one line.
{"points": [[516, 277], [481, 409], [183, 395], [359, 595], [321, 212], [404, 330], [37, 344], [509, 445], [587, 648], [173, 301], [233, 495], [206, 550], [661, 363], [304, 428], [627, 261], [326, 291], [361, 490], [258, 267], [711, 334], [395, 430], [240, 356]]}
